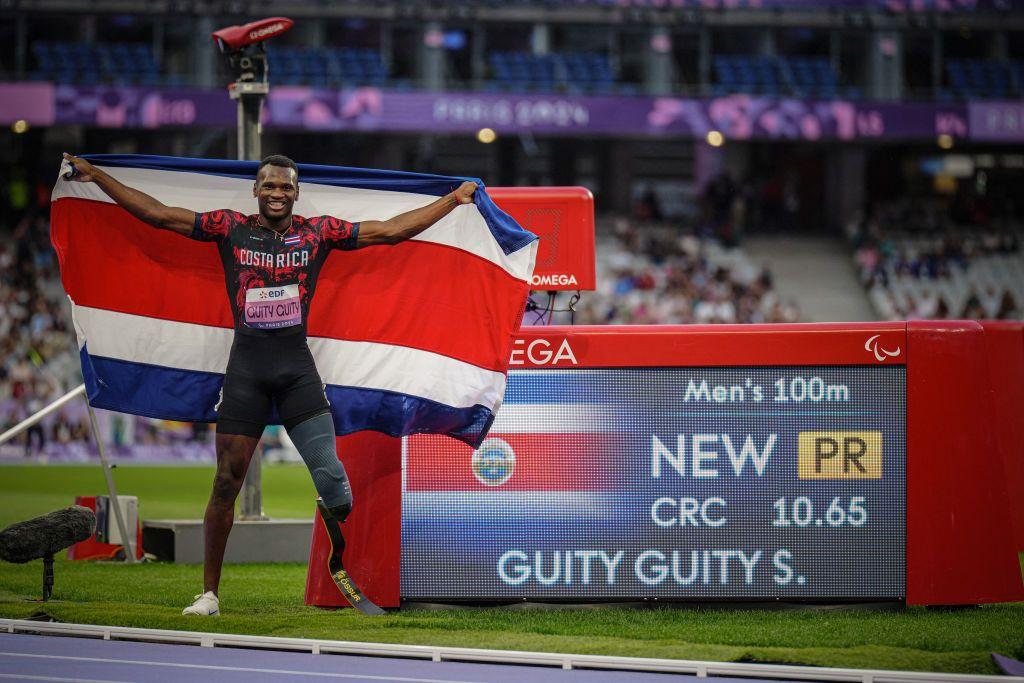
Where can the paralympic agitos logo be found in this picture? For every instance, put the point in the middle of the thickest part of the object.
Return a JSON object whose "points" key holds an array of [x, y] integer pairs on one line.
{"points": [[880, 353]]}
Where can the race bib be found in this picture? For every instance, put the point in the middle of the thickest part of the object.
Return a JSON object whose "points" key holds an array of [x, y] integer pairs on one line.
{"points": [[269, 307]]}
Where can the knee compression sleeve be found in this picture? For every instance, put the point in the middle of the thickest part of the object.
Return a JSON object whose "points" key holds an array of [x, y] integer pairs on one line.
{"points": [[314, 439]]}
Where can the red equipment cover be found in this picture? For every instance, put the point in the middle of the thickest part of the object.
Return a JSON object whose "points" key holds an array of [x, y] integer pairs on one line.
{"points": [[563, 218], [91, 549], [1004, 341], [237, 37], [960, 546]]}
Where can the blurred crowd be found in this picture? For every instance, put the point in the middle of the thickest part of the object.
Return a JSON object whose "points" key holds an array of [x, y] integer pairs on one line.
{"points": [[926, 259], [38, 362], [658, 275]]}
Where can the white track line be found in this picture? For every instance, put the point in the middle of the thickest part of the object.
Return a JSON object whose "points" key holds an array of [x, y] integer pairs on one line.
{"points": [[28, 677], [700, 669], [212, 667]]}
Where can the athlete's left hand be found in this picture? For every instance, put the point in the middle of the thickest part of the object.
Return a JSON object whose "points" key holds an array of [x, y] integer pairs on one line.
{"points": [[464, 193]]}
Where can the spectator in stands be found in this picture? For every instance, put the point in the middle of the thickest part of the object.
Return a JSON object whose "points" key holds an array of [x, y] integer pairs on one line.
{"points": [[654, 275], [648, 208], [34, 434], [1008, 309], [38, 354], [919, 258]]}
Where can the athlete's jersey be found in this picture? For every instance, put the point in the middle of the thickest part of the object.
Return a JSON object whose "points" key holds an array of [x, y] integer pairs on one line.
{"points": [[271, 277]]}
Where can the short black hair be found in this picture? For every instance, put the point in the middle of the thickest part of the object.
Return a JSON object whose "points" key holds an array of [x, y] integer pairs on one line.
{"points": [[278, 160]]}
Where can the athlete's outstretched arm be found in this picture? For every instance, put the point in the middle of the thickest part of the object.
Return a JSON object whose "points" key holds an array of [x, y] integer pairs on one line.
{"points": [[411, 223], [138, 204]]}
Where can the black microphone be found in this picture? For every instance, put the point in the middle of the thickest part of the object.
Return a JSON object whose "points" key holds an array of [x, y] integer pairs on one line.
{"points": [[37, 538], [44, 536]]}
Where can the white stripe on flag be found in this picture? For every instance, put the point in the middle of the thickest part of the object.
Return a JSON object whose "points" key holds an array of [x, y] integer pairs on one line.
{"points": [[409, 371], [368, 365], [464, 228]]}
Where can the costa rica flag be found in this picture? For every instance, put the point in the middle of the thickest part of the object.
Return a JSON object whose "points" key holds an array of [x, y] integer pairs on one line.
{"points": [[409, 338]]}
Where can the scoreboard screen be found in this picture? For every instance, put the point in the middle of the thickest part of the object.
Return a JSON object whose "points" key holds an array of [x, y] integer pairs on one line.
{"points": [[671, 483]]}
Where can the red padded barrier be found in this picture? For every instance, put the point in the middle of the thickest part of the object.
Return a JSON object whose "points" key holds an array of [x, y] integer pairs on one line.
{"points": [[964, 441], [707, 345], [563, 218], [959, 537], [373, 530], [1005, 343]]}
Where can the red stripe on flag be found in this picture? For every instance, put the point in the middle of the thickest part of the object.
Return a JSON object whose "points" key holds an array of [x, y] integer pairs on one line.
{"points": [[413, 294], [543, 462], [423, 295], [111, 260]]}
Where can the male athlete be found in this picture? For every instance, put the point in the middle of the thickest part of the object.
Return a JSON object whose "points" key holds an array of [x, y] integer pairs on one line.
{"points": [[273, 255]]}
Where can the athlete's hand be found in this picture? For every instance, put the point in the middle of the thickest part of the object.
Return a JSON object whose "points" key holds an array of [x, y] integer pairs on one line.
{"points": [[84, 171], [464, 193]]}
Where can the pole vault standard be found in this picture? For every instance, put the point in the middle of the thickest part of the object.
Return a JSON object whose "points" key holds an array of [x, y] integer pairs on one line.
{"points": [[129, 540], [247, 57]]}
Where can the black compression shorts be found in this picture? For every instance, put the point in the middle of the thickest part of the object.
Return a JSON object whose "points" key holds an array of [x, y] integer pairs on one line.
{"points": [[264, 371]]}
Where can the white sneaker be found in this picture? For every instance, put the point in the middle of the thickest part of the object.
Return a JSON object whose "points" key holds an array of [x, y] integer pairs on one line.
{"points": [[205, 605]]}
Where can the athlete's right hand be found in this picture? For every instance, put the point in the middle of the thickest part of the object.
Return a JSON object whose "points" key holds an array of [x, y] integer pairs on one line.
{"points": [[84, 171]]}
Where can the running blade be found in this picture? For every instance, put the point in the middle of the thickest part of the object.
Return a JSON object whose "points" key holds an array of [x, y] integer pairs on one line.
{"points": [[336, 568]]}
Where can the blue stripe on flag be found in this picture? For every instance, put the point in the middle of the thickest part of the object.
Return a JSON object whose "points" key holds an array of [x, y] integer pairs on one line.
{"points": [[151, 390], [190, 396], [507, 233], [401, 415]]}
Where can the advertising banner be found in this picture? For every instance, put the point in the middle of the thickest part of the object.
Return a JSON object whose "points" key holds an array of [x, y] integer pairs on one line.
{"points": [[997, 121], [737, 117], [143, 107]]}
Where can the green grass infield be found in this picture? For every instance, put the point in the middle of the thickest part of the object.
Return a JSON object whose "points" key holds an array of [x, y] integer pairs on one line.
{"points": [[267, 599]]}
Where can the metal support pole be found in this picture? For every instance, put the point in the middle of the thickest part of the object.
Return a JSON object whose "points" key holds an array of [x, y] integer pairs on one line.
{"points": [[40, 414], [937, 62], [250, 96], [21, 47], [704, 59], [128, 539]]}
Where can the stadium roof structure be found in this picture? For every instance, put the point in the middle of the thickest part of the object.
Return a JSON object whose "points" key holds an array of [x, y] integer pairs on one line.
{"points": [[977, 14]]}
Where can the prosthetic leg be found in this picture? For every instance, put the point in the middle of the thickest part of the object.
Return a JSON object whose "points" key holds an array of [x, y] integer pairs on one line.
{"points": [[332, 519]]}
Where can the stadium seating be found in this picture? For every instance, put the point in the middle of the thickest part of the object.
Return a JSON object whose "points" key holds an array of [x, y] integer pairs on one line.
{"points": [[135, 64], [574, 72], [655, 274], [74, 63], [985, 78], [951, 276], [772, 76], [97, 63], [327, 66]]}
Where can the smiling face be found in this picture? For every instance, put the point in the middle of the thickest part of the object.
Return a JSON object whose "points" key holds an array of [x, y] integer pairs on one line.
{"points": [[276, 191]]}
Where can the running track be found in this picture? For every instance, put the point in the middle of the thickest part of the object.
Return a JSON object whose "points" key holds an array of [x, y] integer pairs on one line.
{"points": [[84, 660]]}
